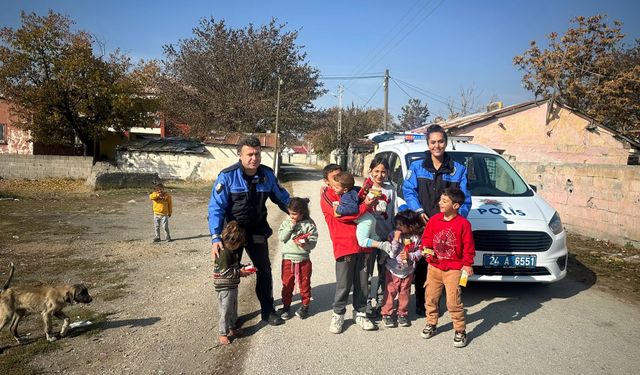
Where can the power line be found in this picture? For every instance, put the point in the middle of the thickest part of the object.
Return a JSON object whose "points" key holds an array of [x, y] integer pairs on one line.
{"points": [[401, 89], [374, 94], [406, 34], [448, 102], [371, 57], [352, 77]]}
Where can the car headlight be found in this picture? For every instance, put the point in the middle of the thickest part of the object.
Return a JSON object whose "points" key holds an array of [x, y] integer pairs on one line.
{"points": [[556, 224]]}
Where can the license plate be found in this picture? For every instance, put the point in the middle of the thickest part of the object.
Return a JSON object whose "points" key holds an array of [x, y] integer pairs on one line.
{"points": [[509, 261]]}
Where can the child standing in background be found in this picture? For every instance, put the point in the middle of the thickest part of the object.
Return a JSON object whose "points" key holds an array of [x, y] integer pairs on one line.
{"points": [[162, 209], [299, 235]]}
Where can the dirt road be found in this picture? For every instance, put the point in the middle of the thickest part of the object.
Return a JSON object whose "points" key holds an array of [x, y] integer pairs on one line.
{"points": [[155, 311]]}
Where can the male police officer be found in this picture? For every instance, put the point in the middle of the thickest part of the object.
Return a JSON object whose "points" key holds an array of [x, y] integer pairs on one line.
{"points": [[240, 193]]}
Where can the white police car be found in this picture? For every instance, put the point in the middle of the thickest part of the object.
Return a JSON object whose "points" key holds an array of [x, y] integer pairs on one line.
{"points": [[519, 237]]}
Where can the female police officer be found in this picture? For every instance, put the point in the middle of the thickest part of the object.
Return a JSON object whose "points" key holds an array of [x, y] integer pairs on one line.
{"points": [[423, 185]]}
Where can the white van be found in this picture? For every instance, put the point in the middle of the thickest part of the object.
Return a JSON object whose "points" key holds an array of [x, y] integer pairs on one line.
{"points": [[519, 237]]}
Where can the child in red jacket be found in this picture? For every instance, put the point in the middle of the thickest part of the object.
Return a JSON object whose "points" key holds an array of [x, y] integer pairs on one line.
{"points": [[448, 241], [351, 270]]}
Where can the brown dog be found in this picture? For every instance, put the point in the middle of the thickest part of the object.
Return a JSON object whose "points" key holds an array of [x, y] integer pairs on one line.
{"points": [[45, 300]]}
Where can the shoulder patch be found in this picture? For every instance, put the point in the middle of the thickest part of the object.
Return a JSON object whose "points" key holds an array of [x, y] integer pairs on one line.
{"points": [[219, 187], [408, 174]]}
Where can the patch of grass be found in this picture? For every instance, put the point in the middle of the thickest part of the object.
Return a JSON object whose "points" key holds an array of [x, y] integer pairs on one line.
{"points": [[15, 360]]}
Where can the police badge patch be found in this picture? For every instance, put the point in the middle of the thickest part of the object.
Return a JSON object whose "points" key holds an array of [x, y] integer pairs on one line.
{"points": [[408, 175], [219, 187]]}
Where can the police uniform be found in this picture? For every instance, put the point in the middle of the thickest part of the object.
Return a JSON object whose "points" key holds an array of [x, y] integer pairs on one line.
{"points": [[237, 196]]}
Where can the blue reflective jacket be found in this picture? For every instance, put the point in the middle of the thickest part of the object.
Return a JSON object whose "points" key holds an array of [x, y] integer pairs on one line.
{"points": [[232, 199], [423, 184]]}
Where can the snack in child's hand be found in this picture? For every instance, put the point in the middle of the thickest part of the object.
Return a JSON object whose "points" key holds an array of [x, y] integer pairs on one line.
{"points": [[463, 278], [426, 251], [250, 268], [301, 239]]}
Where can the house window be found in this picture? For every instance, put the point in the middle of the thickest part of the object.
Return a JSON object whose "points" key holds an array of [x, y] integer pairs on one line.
{"points": [[2, 133]]}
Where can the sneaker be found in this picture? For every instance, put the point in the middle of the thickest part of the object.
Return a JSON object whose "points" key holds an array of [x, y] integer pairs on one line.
{"points": [[460, 339], [365, 323], [337, 320], [428, 331], [403, 321], [303, 312], [284, 314], [385, 246], [388, 321], [274, 319], [156, 239]]}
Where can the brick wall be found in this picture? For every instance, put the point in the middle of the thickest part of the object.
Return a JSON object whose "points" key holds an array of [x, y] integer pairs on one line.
{"points": [[36, 167], [601, 201]]}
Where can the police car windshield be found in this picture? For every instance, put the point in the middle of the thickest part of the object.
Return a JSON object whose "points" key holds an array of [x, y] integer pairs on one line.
{"points": [[488, 175]]}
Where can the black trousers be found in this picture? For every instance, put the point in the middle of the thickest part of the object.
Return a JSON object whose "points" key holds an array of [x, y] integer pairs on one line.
{"points": [[258, 250], [420, 276]]}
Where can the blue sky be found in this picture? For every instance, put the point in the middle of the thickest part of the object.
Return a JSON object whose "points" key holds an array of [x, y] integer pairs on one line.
{"points": [[438, 46]]}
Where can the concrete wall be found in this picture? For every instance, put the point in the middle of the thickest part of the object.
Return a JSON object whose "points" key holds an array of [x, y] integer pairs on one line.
{"points": [[601, 201], [192, 167], [36, 167], [565, 139]]}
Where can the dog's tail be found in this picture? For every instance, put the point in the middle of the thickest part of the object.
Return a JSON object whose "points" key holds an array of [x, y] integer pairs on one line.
{"points": [[6, 284]]}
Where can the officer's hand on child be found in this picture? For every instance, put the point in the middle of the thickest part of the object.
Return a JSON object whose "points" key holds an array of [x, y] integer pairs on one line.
{"points": [[216, 248]]}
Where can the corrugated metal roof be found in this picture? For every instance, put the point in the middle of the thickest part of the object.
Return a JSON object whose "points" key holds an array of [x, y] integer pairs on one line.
{"points": [[266, 139], [169, 144]]}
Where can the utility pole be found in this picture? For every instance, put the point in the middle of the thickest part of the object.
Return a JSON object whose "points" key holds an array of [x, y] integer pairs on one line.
{"points": [[386, 99], [340, 91], [275, 149]]}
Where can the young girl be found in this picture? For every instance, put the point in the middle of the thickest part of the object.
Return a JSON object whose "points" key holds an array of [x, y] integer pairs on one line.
{"points": [[383, 212], [299, 235], [405, 251]]}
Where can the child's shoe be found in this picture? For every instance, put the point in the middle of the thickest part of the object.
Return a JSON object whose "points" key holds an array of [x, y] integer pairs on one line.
{"points": [[365, 323], [403, 321], [460, 339], [428, 331], [303, 312], [337, 320], [388, 321], [284, 313]]}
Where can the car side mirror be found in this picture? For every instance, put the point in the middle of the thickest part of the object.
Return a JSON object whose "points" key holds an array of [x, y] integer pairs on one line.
{"points": [[534, 188]]}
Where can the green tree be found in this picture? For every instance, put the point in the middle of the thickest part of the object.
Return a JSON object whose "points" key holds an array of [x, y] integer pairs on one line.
{"points": [[356, 122], [589, 68], [227, 79], [60, 90], [414, 114]]}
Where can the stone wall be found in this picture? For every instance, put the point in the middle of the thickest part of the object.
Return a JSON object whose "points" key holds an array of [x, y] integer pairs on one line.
{"points": [[601, 201], [35, 167], [184, 166]]}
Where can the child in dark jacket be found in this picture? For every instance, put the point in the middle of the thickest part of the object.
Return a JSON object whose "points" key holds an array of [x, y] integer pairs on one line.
{"points": [[226, 278]]}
